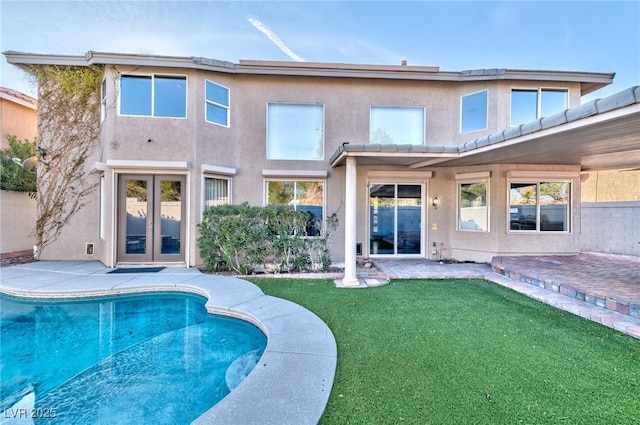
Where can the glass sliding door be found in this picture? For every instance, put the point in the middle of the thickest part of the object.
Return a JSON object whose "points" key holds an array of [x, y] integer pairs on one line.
{"points": [[382, 227], [150, 218], [395, 219], [409, 213]]}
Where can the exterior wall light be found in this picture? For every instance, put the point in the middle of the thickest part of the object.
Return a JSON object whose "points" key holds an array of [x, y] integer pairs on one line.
{"points": [[435, 202], [28, 164]]}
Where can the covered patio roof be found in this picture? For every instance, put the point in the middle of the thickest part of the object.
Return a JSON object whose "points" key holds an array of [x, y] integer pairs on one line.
{"points": [[601, 134]]}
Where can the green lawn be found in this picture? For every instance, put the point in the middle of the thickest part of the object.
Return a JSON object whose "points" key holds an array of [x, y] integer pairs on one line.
{"points": [[467, 352]]}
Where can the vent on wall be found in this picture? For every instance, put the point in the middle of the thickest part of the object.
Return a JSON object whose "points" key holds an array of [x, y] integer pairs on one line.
{"points": [[88, 249], [359, 248]]}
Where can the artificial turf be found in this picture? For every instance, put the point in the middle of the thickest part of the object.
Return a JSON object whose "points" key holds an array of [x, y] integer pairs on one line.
{"points": [[467, 352]]}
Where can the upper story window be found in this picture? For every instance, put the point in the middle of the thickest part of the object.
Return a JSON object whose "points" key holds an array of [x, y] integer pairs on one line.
{"points": [[529, 105], [153, 96], [295, 131], [217, 103], [473, 112], [397, 125]]}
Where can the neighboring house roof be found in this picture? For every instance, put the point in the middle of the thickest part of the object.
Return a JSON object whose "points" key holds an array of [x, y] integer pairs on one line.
{"points": [[589, 81], [600, 134], [18, 97]]}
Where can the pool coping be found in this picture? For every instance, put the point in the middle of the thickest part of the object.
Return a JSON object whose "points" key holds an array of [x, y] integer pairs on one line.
{"points": [[293, 379]]}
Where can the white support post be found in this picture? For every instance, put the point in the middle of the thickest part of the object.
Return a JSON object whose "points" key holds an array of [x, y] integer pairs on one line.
{"points": [[350, 278]]}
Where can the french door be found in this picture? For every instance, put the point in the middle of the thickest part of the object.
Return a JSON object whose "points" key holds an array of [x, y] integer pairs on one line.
{"points": [[395, 218], [151, 213]]}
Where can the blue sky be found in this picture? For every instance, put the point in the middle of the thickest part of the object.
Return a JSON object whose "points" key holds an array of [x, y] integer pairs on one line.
{"points": [[454, 35]]}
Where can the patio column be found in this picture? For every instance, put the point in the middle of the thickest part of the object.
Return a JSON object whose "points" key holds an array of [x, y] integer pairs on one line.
{"points": [[350, 278]]}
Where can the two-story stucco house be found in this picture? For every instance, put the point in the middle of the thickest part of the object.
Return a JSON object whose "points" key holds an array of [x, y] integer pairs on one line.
{"points": [[415, 161]]}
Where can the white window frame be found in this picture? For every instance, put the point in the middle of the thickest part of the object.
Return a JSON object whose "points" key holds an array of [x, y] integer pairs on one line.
{"points": [[229, 181], [397, 178], [300, 178], [486, 117], [103, 99], [537, 181], [323, 131], [153, 77], [471, 178], [216, 172], [219, 105], [103, 209], [539, 91], [424, 119]]}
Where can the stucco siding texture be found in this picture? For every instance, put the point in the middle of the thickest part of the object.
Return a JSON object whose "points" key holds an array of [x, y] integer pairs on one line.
{"points": [[17, 120], [17, 221], [241, 148]]}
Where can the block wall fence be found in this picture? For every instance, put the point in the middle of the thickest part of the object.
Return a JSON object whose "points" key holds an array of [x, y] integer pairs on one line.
{"points": [[610, 227], [17, 221]]}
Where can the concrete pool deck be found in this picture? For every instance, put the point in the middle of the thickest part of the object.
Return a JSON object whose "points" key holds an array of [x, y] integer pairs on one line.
{"points": [[291, 383]]}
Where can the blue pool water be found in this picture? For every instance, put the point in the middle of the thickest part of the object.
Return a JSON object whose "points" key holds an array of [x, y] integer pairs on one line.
{"points": [[154, 358]]}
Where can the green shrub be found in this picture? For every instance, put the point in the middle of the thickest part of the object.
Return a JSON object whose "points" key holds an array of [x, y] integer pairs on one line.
{"points": [[12, 176], [241, 238]]}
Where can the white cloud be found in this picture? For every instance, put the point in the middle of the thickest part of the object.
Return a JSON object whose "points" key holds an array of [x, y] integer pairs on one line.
{"points": [[275, 39]]}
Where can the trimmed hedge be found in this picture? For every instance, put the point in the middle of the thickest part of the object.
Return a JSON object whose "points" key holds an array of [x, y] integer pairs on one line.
{"points": [[244, 239]]}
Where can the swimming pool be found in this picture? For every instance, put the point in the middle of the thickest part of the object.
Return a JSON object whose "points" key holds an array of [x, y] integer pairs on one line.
{"points": [[145, 358]]}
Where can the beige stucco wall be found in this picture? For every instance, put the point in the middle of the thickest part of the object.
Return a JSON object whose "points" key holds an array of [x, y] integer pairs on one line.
{"points": [[477, 246], [18, 120], [17, 221], [611, 186], [440, 225], [83, 227], [242, 147], [70, 245]]}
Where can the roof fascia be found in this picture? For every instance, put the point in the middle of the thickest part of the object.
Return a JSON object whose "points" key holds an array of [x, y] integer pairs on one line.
{"points": [[119, 59], [571, 76], [274, 67], [589, 81], [339, 159], [22, 58], [338, 74], [244, 63], [137, 60], [19, 101]]}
